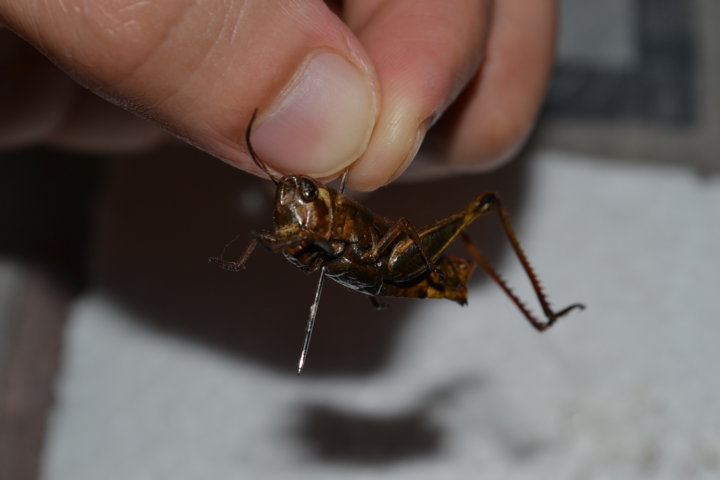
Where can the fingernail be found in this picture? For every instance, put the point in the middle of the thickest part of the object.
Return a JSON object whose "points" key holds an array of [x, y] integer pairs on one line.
{"points": [[419, 138], [322, 121]]}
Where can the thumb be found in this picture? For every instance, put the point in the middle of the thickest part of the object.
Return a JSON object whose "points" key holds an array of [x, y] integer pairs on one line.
{"points": [[200, 68]]}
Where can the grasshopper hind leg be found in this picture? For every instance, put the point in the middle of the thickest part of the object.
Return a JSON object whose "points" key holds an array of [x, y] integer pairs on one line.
{"points": [[550, 315], [491, 202]]}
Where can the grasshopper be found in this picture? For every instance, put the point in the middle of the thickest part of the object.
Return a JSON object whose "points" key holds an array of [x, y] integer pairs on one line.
{"points": [[318, 228]]}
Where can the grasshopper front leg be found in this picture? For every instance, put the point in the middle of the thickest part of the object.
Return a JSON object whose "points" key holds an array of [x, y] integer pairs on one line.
{"points": [[240, 263], [275, 245]]}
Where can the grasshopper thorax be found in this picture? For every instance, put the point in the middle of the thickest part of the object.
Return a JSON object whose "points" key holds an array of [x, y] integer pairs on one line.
{"points": [[302, 204]]}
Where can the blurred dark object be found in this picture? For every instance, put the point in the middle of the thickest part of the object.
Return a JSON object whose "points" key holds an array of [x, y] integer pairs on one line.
{"points": [[45, 204]]}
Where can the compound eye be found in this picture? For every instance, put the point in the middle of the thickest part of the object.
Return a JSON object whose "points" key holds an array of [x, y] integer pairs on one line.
{"points": [[308, 190]]}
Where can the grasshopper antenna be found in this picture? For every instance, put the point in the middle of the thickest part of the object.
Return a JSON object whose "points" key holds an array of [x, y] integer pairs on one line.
{"points": [[254, 155], [343, 180], [311, 321]]}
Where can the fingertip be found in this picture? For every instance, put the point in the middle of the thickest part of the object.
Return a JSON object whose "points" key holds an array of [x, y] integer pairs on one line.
{"points": [[398, 137], [322, 120], [424, 53], [199, 69]]}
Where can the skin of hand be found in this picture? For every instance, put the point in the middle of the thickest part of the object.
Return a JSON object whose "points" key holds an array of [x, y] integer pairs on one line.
{"points": [[356, 84]]}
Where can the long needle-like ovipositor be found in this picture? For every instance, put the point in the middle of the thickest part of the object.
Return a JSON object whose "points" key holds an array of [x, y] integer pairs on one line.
{"points": [[316, 301], [311, 321]]}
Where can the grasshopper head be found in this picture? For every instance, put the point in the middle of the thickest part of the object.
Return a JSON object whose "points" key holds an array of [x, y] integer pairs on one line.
{"points": [[302, 204]]}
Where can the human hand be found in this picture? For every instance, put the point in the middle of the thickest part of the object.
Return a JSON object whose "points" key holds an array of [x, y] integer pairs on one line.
{"points": [[359, 83]]}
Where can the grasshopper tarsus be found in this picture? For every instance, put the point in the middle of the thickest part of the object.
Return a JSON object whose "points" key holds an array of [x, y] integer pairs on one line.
{"points": [[569, 308], [225, 265], [319, 228], [240, 263]]}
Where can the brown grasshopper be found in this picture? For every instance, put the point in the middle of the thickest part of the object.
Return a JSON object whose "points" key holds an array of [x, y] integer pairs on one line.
{"points": [[319, 228]]}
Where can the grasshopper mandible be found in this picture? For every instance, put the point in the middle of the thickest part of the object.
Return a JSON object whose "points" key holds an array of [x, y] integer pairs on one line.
{"points": [[319, 228]]}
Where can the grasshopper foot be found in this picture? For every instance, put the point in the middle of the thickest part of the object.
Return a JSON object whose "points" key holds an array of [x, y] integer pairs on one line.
{"points": [[225, 265]]}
